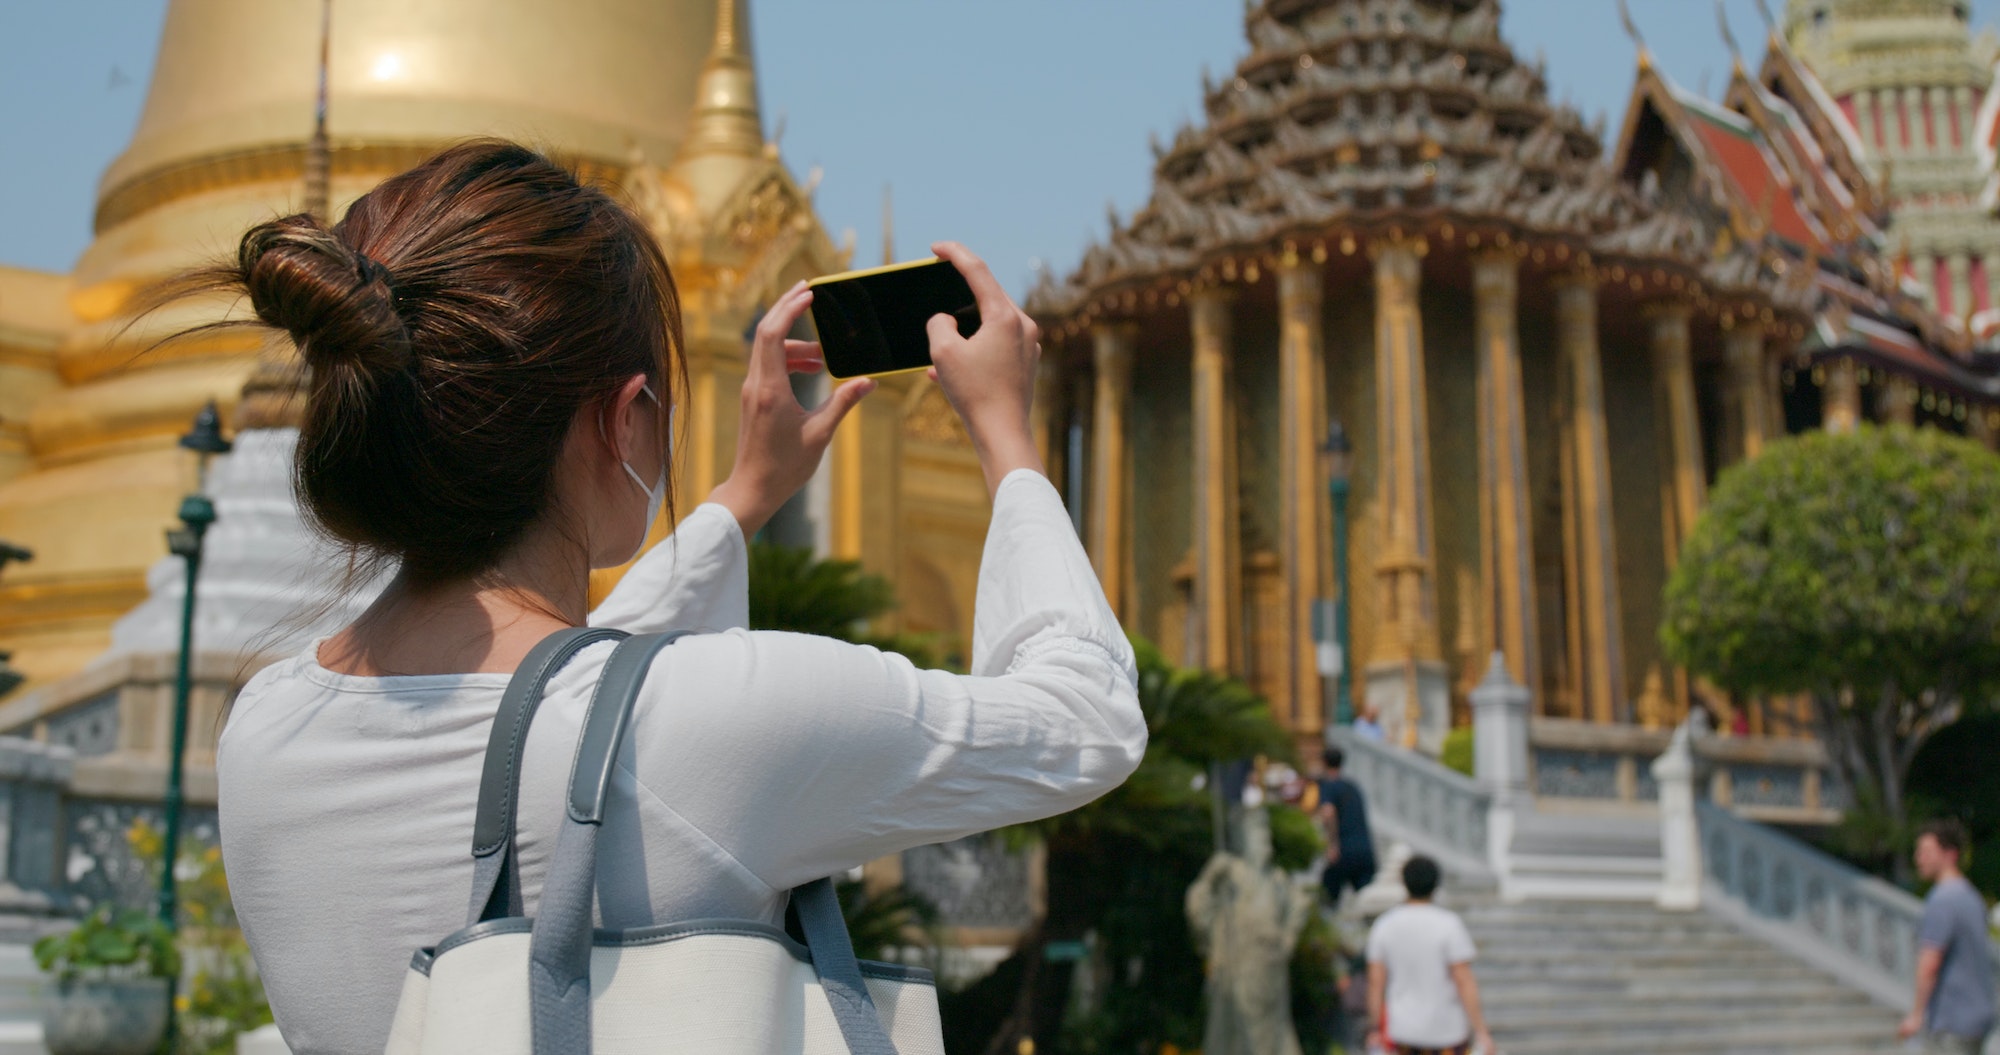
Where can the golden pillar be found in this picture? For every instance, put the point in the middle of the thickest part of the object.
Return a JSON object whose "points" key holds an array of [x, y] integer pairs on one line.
{"points": [[1303, 496], [1405, 678], [1746, 395], [1596, 661], [1110, 462], [1506, 548], [1684, 478], [1686, 488], [1898, 402], [1980, 425], [1046, 417], [1840, 399], [1217, 545]]}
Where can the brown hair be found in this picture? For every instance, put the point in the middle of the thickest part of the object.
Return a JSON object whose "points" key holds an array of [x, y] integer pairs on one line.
{"points": [[455, 321], [1948, 832]]}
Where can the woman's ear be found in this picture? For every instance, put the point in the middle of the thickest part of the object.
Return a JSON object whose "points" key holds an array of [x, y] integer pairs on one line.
{"points": [[626, 419]]}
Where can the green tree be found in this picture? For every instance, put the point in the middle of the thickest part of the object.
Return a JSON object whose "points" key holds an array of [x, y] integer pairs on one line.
{"points": [[1862, 569], [1119, 868]]}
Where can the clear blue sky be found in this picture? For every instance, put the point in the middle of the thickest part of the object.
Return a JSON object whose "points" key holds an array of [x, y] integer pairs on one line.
{"points": [[1009, 125]]}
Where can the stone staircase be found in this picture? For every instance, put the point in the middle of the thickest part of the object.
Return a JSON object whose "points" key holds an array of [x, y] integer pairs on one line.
{"points": [[1566, 857], [20, 1001], [1576, 977]]}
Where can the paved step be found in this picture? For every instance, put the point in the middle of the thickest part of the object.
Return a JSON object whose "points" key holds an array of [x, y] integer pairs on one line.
{"points": [[1622, 937], [1749, 988], [1646, 1016], [1825, 1041], [1568, 978]]}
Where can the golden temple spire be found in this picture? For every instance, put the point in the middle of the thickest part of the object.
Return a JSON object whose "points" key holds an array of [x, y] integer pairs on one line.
{"points": [[888, 227], [319, 157], [726, 117]]}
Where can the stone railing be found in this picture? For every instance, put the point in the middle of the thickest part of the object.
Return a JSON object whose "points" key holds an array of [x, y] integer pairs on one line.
{"points": [[1764, 778], [1821, 909], [33, 781], [1438, 811]]}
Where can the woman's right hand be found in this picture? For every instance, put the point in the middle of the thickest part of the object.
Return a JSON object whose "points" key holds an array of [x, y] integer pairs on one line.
{"points": [[989, 377]]}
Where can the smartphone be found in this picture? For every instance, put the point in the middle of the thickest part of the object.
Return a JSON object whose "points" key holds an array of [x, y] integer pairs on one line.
{"points": [[872, 321]]}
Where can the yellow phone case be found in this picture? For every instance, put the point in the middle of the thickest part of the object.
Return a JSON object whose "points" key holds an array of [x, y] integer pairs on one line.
{"points": [[863, 273]]}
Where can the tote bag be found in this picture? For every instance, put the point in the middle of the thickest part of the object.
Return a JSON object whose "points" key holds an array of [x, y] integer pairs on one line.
{"points": [[551, 985]]}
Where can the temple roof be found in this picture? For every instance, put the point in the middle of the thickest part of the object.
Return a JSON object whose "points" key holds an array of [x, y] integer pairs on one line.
{"points": [[1776, 167], [1828, 125], [1362, 113]]}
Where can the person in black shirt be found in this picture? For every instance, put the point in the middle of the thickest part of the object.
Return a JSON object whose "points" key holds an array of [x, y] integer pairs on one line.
{"points": [[1343, 816]]}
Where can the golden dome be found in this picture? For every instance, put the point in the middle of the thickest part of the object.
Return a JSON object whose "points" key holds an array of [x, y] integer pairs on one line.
{"points": [[587, 80], [221, 145]]}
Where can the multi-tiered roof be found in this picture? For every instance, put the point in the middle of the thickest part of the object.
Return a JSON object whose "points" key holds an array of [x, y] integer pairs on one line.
{"points": [[1353, 116]]}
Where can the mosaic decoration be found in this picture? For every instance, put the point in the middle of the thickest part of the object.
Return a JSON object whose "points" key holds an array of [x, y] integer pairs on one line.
{"points": [[99, 863], [1576, 774], [89, 727], [973, 882]]}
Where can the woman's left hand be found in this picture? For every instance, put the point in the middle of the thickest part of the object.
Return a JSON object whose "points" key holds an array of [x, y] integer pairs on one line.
{"points": [[779, 442]]}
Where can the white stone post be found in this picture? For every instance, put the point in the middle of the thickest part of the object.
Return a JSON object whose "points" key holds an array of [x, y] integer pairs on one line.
{"points": [[1680, 835], [1500, 758]]}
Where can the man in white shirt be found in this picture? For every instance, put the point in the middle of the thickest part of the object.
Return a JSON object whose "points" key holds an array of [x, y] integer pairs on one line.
{"points": [[1422, 998]]}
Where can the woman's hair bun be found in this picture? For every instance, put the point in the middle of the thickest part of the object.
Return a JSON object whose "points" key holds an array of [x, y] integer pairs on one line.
{"points": [[337, 303]]}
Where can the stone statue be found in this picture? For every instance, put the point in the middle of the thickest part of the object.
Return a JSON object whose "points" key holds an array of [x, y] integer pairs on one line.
{"points": [[1247, 915]]}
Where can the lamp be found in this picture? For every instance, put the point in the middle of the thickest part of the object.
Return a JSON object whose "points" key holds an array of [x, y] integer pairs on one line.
{"points": [[197, 513]]}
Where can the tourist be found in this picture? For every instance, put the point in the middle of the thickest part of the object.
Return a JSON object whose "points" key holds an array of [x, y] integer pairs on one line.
{"points": [[1343, 817], [1368, 723], [1422, 998], [494, 350], [1953, 1008]]}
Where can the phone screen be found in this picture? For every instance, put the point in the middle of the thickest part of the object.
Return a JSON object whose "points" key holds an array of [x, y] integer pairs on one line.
{"points": [[873, 321]]}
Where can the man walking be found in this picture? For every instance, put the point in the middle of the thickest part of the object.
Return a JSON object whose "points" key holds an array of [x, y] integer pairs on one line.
{"points": [[1422, 998], [1343, 816], [1954, 999]]}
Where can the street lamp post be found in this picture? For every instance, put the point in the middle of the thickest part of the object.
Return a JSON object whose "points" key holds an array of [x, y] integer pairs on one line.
{"points": [[197, 513], [1335, 459]]}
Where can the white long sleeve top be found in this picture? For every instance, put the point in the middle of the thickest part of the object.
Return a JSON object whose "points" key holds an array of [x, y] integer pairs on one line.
{"points": [[757, 761]]}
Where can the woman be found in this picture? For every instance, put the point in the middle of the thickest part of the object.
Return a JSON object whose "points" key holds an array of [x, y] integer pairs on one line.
{"points": [[493, 349]]}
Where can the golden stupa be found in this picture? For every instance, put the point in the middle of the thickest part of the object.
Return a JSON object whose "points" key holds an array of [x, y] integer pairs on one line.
{"points": [[654, 98]]}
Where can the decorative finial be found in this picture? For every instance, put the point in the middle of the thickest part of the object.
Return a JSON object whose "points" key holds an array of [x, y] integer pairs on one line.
{"points": [[888, 226], [726, 118], [726, 15], [319, 157], [1632, 30], [1728, 38]]}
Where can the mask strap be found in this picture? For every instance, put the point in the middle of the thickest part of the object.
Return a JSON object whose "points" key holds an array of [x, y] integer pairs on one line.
{"points": [[602, 435]]}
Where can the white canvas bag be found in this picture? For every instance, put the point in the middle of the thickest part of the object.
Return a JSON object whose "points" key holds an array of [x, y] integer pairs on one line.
{"points": [[510, 985]]}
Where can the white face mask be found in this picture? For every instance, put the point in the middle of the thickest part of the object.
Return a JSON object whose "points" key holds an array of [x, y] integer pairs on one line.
{"points": [[656, 494]]}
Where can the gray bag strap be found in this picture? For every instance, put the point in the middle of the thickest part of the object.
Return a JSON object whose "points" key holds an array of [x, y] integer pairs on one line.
{"points": [[839, 972], [559, 948], [496, 869]]}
